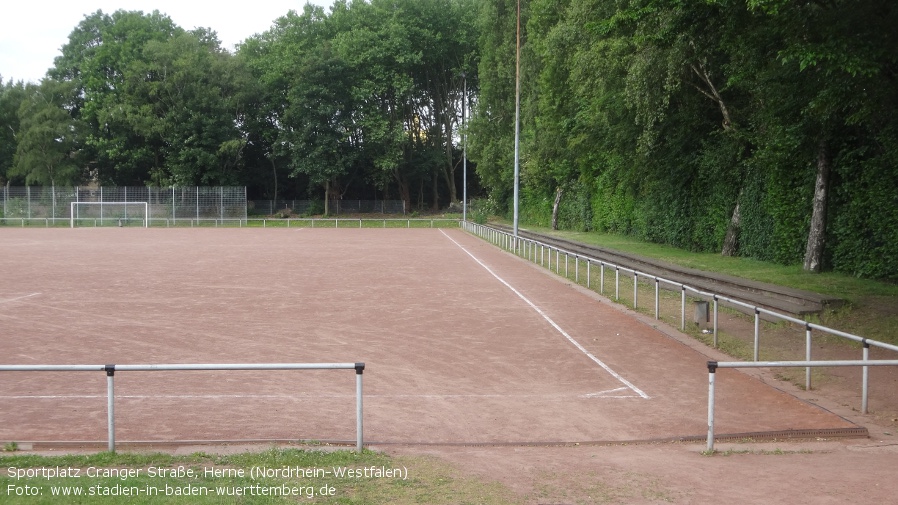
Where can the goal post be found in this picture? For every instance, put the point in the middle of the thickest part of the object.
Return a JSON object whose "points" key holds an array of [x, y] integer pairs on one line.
{"points": [[110, 213]]}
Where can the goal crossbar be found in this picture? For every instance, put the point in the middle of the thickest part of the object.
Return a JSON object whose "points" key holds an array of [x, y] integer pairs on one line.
{"points": [[75, 215]]}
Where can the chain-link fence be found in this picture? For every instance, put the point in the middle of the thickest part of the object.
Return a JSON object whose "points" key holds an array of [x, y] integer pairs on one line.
{"points": [[335, 207], [165, 206]]}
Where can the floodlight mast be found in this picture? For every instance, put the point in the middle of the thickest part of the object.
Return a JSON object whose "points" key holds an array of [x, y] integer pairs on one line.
{"points": [[517, 124], [464, 148]]}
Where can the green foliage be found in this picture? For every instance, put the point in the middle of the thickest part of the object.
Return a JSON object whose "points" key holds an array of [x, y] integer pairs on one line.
{"points": [[482, 209], [756, 236], [316, 208], [46, 146], [370, 94], [11, 97], [659, 118], [160, 104], [614, 200], [866, 208], [491, 140]]}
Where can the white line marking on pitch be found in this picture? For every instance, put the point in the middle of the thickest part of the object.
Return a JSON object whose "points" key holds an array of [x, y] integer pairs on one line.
{"points": [[606, 394], [550, 321], [19, 298], [309, 397]]}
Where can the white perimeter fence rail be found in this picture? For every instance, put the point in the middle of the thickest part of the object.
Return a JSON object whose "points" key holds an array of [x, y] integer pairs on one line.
{"points": [[111, 369], [540, 252]]}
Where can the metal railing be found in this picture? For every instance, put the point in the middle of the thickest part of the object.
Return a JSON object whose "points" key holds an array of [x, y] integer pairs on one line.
{"points": [[540, 252], [111, 369], [714, 365]]}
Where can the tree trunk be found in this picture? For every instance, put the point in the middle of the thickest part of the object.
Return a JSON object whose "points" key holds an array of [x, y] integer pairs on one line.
{"points": [[274, 172], [449, 172], [558, 192], [405, 192], [731, 241], [327, 197], [813, 256], [420, 205], [435, 193]]}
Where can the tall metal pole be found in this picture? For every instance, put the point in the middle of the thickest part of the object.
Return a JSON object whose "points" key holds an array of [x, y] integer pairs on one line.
{"points": [[464, 148], [517, 122]]}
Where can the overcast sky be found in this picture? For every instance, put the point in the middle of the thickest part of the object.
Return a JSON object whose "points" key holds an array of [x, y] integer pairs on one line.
{"points": [[33, 31]]}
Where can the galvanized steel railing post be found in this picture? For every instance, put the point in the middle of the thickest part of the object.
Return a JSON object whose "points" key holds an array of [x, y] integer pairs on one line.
{"points": [[359, 368], [617, 283], [715, 321], [866, 378], [602, 278], [588, 268], [712, 369], [807, 356], [635, 290], [110, 405], [682, 308], [757, 333], [657, 301]]}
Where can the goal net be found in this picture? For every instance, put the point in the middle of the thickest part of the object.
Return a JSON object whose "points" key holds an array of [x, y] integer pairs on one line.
{"points": [[109, 214]]}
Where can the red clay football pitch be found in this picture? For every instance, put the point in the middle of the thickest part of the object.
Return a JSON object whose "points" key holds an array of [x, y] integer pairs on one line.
{"points": [[463, 344]]}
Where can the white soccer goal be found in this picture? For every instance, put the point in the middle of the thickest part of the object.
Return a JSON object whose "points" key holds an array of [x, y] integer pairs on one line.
{"points": [[109, 213]]}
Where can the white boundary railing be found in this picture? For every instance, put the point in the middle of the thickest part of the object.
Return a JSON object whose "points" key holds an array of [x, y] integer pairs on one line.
{"points": [[540, 252], [714, 365], [111, 369]]}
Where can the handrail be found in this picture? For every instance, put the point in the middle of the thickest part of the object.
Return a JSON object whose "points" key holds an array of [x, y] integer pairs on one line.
{"points": [[528, 247], [714, 365], [111, 369]]}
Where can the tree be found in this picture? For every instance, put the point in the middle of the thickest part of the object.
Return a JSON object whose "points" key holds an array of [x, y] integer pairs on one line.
{"points": [[835, 59], [11, 97], [161, 104], [96, 61], [274, 59], [322, 135], [46, 151], [186, 94]]}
